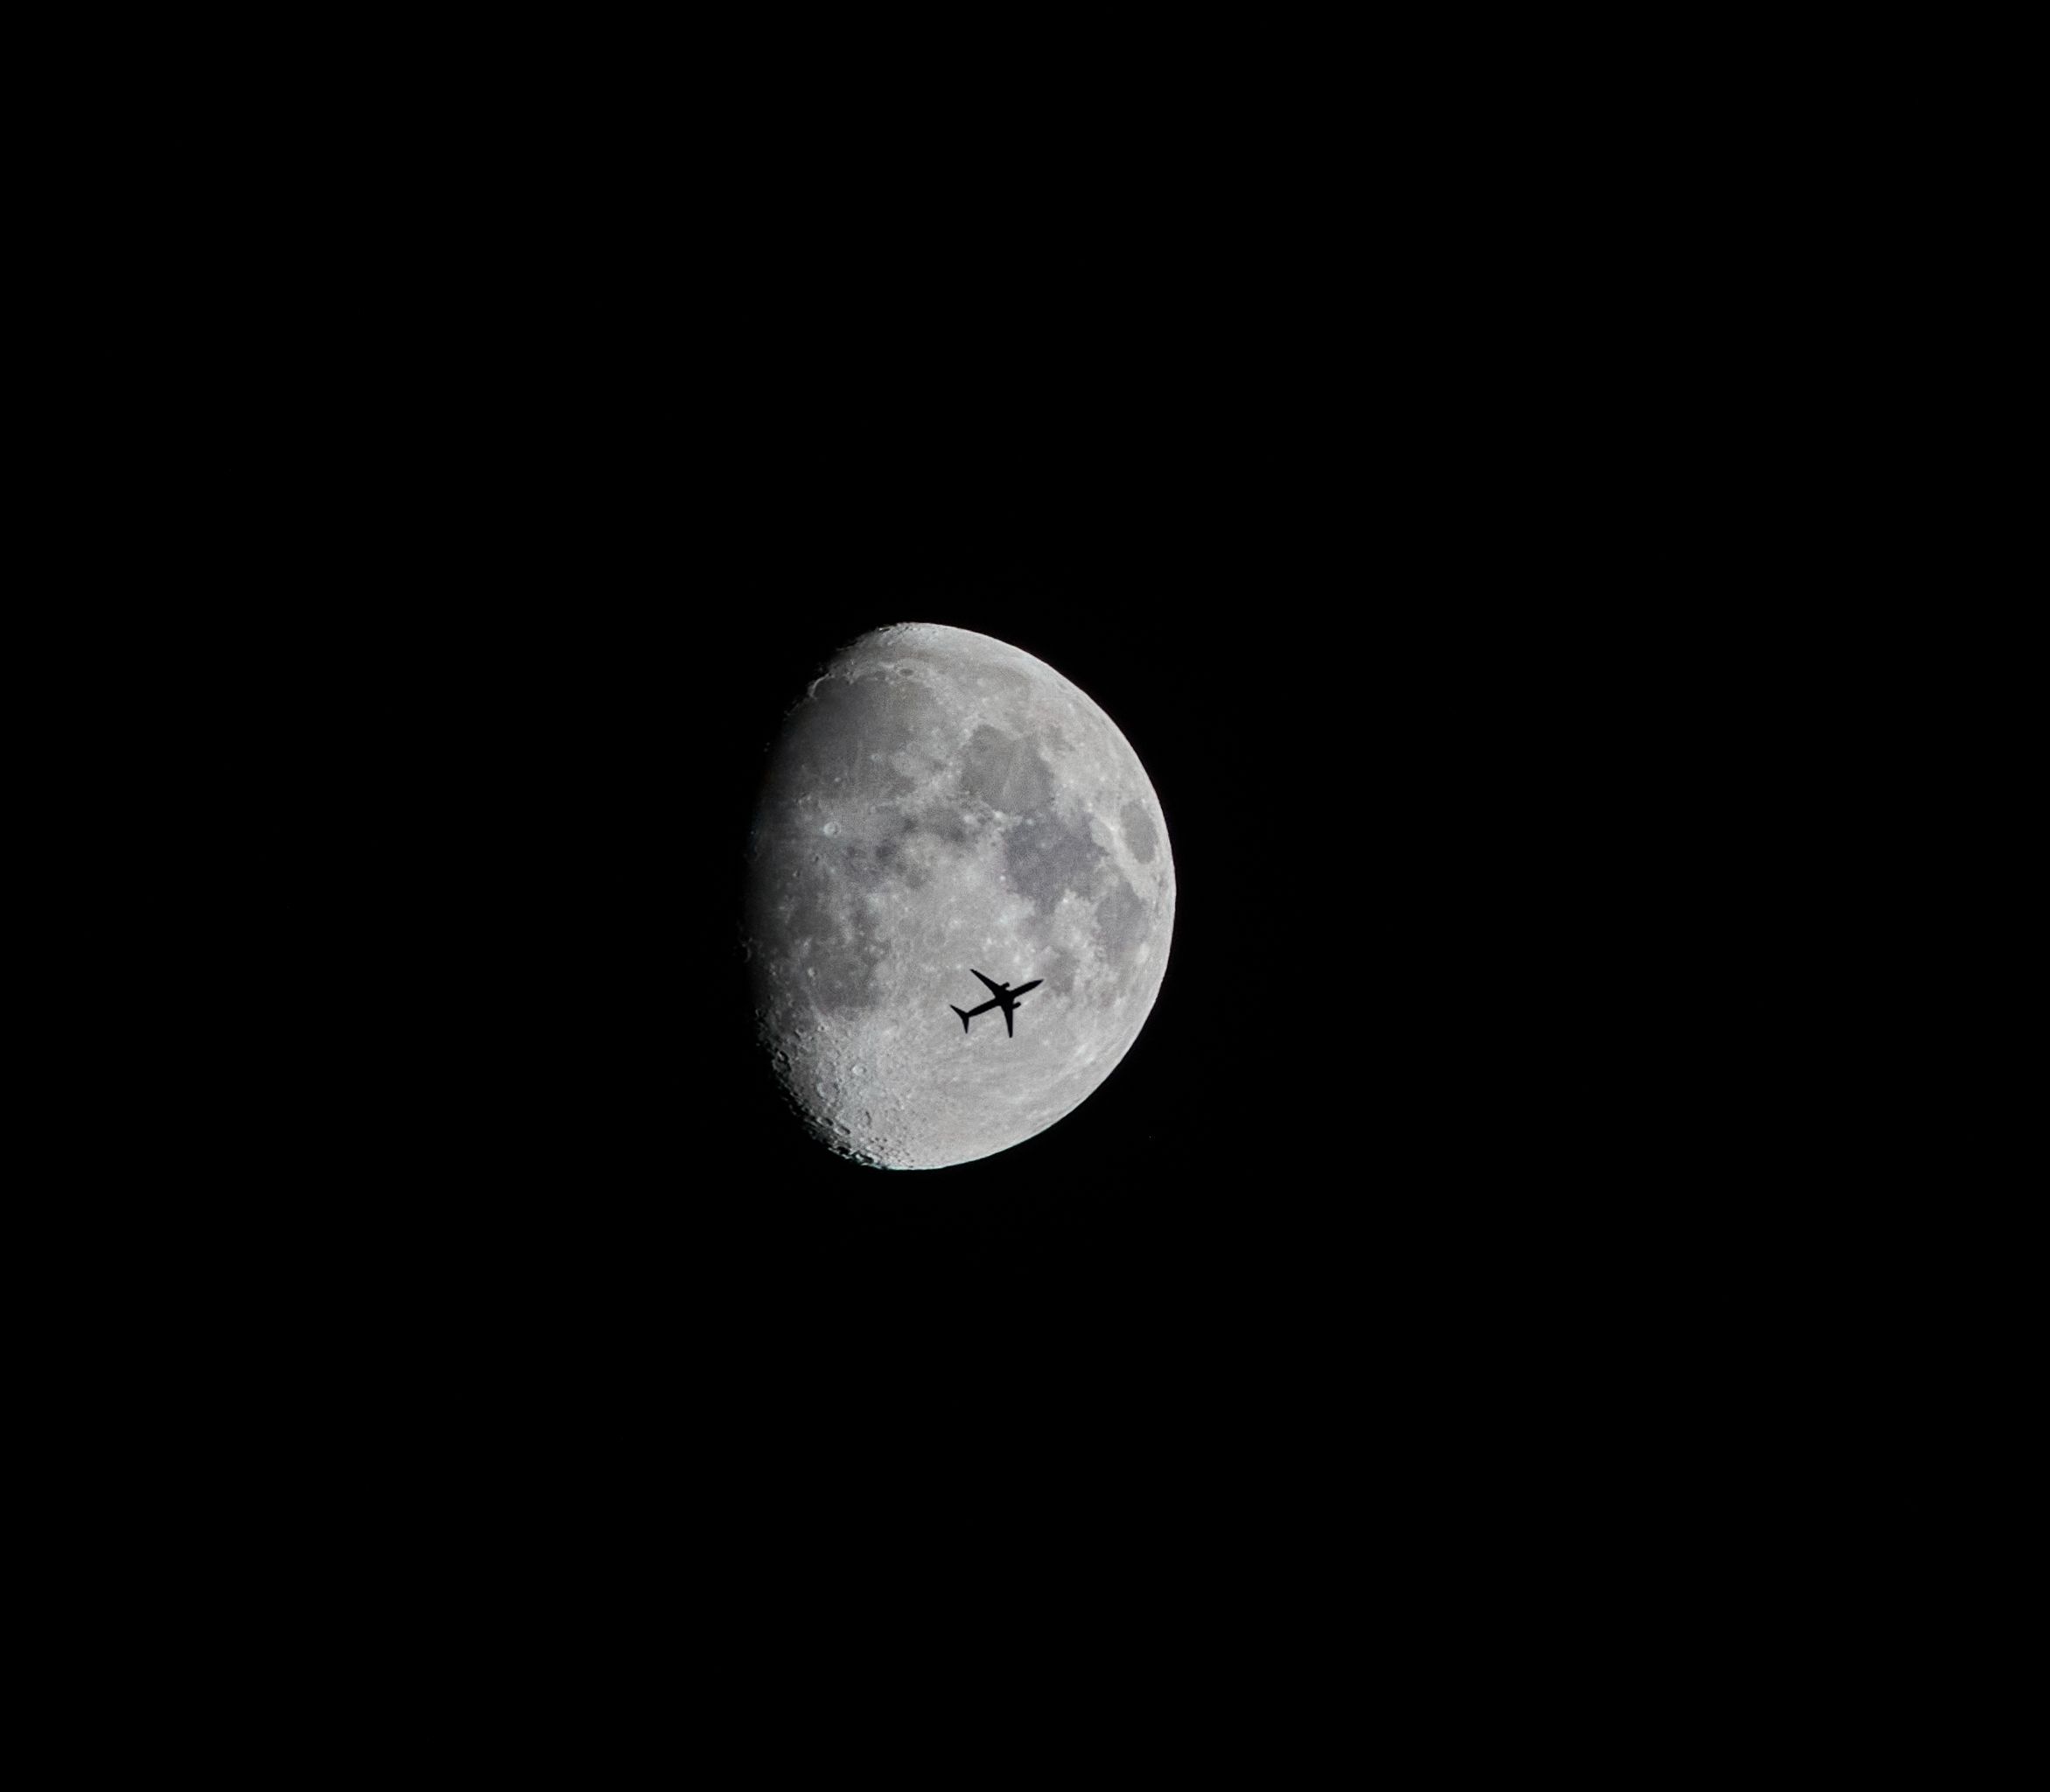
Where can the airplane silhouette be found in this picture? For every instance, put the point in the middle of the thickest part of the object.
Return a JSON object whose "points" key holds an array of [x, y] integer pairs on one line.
{"points": [[1003, 996]]}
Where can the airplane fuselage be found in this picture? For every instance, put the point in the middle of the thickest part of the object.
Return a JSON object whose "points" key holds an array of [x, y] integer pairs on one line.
{"points": [[1001, 996]]}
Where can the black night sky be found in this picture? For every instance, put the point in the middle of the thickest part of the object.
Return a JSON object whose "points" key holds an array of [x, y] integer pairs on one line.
{"points": [[1276, 1113], [1426, 1186], [1393, 813]]}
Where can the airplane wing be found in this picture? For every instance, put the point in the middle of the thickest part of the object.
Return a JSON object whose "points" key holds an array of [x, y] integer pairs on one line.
{"points": [[995, 988], [1034, 984]]}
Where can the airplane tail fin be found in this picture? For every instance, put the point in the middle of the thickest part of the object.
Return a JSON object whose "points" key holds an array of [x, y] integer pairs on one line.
{"points": [[962, 1012]]}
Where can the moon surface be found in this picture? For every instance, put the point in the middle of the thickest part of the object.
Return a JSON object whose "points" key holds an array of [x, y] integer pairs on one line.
{"points": [[940, 803]]}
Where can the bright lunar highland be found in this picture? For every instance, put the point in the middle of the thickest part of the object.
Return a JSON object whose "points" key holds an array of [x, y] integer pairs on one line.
{"points": [[941, 803]]}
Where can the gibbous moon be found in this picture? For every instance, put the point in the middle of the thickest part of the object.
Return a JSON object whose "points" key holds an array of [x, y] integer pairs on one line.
{"points": [[941, 803]]}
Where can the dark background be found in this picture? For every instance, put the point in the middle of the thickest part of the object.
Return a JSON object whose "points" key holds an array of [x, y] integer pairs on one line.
{"points": [[1322, 1117], [1378, 1159], [1207, 1213], [1378, 1167], [1370, 1072], [1387, 1255]]}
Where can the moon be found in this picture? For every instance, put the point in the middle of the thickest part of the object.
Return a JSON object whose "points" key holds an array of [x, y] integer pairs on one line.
{"points": [[941, 803]]}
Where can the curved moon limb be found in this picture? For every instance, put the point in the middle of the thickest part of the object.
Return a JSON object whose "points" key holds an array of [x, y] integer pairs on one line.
{"points": [[939, 808]]}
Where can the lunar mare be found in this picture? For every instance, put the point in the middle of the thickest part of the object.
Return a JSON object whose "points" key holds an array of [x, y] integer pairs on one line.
{"points": [[941, 802]]}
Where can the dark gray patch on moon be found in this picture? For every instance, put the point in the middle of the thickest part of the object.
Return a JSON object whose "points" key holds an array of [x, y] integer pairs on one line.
{"points": [[1056, 969], [1122, 922], [892, 861], [1045, 860], [1137, 827], [944, 824], [1006, 772]]}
